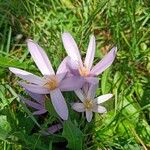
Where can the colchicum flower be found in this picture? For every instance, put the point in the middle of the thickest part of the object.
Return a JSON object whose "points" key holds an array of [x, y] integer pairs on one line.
{"points": [[50, 83], [84, 69], [89, 103], [38, 103], [52, 129]]}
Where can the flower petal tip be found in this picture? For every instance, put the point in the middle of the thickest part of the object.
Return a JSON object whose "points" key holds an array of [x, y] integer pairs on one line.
{"points": [[10, 69], [111, 95], [115, 49], [65, 33], [92, 36], [29, 40], [21, 83], [65, 117]]}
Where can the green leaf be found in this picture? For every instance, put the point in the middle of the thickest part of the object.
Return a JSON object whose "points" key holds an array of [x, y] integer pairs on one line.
{"points": [[73, 135], [30, 114], [132, 147], [7, 62], [49, 107], [131, 109], [34, 142], [105, 85], [118, 79], [4, 127]]}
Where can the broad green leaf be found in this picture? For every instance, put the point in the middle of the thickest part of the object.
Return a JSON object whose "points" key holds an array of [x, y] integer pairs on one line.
{"points": [[73, 135]]}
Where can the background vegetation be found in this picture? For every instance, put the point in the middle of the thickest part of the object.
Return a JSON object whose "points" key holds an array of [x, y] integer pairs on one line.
{"points": [[124, 23]]}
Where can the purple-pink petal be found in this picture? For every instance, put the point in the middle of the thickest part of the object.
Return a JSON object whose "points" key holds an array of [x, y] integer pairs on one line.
{"points": [[99, 109], [39, 112], [73, 66], [85, 87], [40, 58], [104, 63], [40, 98], [89, 115], [92, 91], [79, 107], [92, 80], [59, 103], [34, 88], [26, 75], [80, 94], [63, 67], [90, 53], [54, 128], [31, 104], [71, 83], [71, 47], [61, 76], [103, 98]]}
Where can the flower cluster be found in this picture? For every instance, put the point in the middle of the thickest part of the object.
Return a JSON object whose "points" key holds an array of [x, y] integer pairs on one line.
{"points": [[72, 75]]}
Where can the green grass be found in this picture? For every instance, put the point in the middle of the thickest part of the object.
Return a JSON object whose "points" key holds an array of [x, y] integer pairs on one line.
{"points": [[124, 23]]}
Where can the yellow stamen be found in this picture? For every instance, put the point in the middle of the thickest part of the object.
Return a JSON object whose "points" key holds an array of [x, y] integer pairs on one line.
{"points": [[51, 83], [88, 104], [83, 71]]}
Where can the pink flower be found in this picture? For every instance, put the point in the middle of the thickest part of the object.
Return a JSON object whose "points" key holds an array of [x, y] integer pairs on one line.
{"points": [[37, 104], [85, 69], [89, 103], [50, 83], [52, 129]]}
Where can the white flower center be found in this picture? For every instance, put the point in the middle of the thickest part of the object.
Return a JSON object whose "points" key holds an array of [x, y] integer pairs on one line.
{"points": [[88, 104], [51, 83]]}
